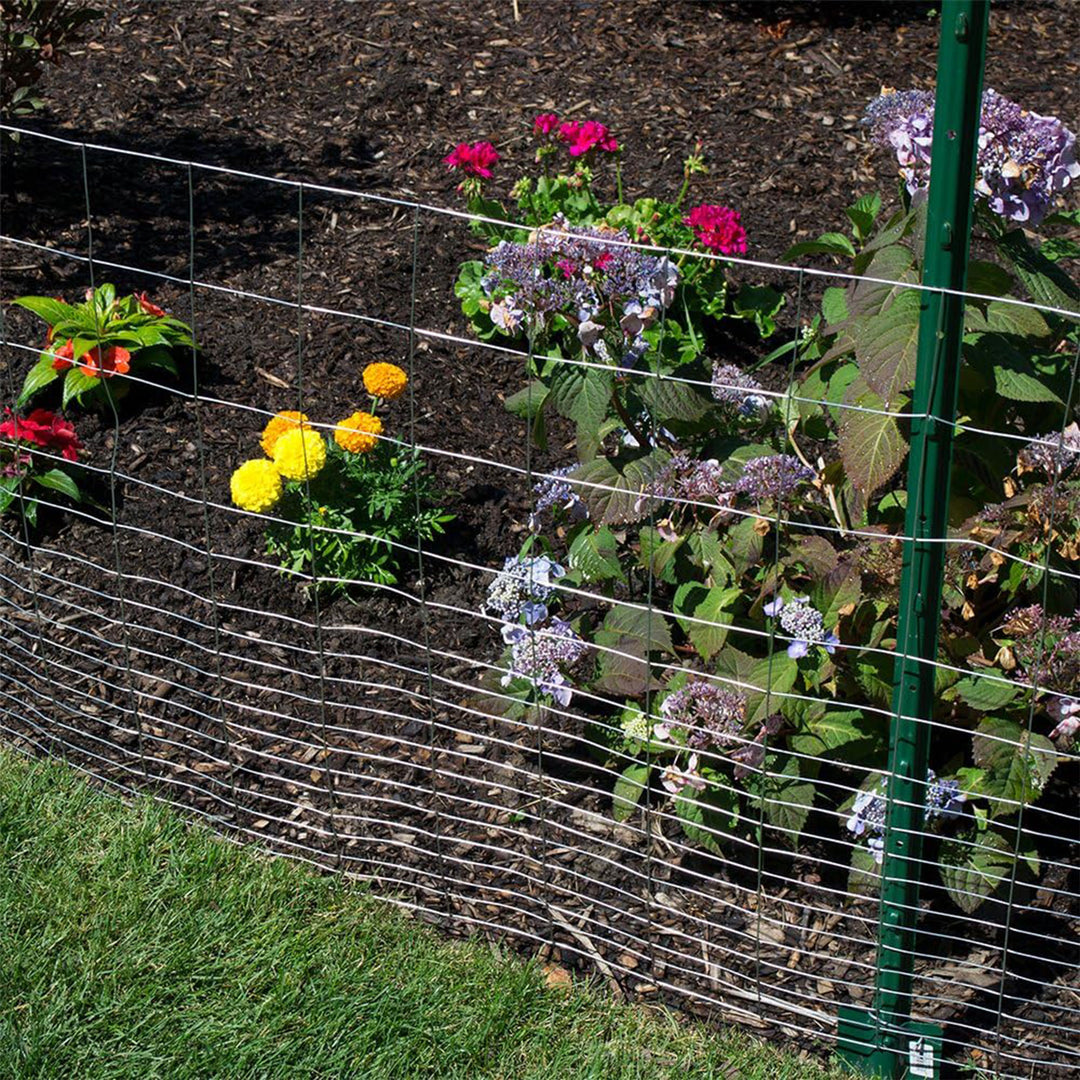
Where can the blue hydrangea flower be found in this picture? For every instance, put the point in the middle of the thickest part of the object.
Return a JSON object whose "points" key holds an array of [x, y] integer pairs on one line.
{"points": [[804, 623], [521, 588], [539, 655]]}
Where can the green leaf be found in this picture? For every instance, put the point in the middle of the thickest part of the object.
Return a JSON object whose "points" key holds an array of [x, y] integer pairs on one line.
{"points": [[894, 269], [629, 787], [1007, 356], [849, 735], [714, 607], [582, 394], [832, 243], [745, 544], [887, 345], [76, 383], [595, 552], [528, 402], [659, 553], [615, 491], [1047, 283], [669, 399], [58, 480], [770, 676], [984, 694], [871, 445], [784, 797], [834, 305], [648, 627], [47, 307], [863, 214], [625, 641], [989, 279], [1001, 317], [760, 303], [864, 878], [1017, 763], [708, 817], [37, 378], [973, 866]]}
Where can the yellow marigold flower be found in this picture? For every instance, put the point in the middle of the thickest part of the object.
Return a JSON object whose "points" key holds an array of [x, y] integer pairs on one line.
{"points": [[256, 486], [300, 454], [278, 425], [357, 433], [386, 381]]}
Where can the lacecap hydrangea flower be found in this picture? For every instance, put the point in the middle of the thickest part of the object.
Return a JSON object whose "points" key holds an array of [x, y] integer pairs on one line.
{"points": [[277, 426], [539, 655], [256, 486], [358, 433], [300, 454], [386, 381], [522, 587], [804, 623]]}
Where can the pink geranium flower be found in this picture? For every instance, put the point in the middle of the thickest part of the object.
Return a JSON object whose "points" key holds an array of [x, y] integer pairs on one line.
{"points": [[590, 135], [473, 159], [717, 228], [545, 123]]}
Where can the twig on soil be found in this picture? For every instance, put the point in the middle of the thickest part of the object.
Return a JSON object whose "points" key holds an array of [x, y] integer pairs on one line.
{"points": [[560, 917]]}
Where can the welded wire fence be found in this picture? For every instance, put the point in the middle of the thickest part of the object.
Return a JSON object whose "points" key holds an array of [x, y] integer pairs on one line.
{"points": [[396, 734]]}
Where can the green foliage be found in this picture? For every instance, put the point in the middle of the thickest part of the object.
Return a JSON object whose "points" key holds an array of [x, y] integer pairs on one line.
{"points": [[360, 519], [90, 343]]}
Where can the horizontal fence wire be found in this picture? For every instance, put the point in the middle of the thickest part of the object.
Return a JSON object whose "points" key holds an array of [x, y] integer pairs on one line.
{"points": [[154, 642]]}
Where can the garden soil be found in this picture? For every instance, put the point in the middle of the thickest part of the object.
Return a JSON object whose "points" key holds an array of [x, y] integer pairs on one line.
{"points": [[351, 731]]}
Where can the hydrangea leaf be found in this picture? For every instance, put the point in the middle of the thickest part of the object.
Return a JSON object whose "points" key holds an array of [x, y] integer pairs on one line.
{"points": [[614, 491], [528, 401], [871, 445], [784, 798], [973, 866], [984, 694], [595, 553], [864, 877], [852, 736], [887, 344], [1017, 763], [629, 787], [708, 817], [669, 399], [1047, 283]]}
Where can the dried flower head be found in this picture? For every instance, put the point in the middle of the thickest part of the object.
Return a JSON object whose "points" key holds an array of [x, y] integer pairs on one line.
{"points": [[708, 716]]}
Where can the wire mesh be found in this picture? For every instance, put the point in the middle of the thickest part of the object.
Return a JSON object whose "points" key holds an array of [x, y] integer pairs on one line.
{"points": [[381, 736]]}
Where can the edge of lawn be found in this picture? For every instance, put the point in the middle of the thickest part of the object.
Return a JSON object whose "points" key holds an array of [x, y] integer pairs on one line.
{"points": [[138, 944]]}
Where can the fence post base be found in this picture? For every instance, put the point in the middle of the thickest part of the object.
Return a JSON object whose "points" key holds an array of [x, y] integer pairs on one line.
{"points": [[915, 1051]]}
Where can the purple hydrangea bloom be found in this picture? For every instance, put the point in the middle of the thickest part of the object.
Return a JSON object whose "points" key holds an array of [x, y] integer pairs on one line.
{"points": [[709, 716], [521, 588], [1024, 159], [804, 623], [1052, 453], [685, 477], [943, 798], [772, 477], [539, 654], [868, 819], [553, 492], [732, 386]]}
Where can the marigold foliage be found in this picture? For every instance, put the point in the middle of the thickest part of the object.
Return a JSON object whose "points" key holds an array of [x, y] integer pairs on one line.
{"points": [[358, 433], [300, 454], [386, 381], [256, 486], [278, 425]]}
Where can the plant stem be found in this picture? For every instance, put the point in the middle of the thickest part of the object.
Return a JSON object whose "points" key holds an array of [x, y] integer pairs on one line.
{"points": [[624, 416]]}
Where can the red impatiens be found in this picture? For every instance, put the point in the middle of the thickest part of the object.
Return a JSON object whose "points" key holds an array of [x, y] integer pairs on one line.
{"points": [[42, 428], [473, 159], [115, 360], [63, 357], [149, 307], [717, 228]]}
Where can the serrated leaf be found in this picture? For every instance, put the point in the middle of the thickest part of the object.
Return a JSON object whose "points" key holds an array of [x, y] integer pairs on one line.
{"points": [[614, 491], [785, 798], [1046, 282], [595, 552], [771, 677], [527, 402], [887, 346], [708, 817], [1017, 763], [832, 243], [984, 694], [864, 877], [711, 615], [893, 269], [871, 445], [582, 394], [668, 399], [659, 554], [848, 735], [988, 279], [816, 554], [745, 544], [649, 627], [1001, 317], [972, 867], [839, 588], [629, 787]]}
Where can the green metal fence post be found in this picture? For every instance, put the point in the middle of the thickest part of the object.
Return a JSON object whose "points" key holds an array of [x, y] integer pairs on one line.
{"points": [[883, 1041]]}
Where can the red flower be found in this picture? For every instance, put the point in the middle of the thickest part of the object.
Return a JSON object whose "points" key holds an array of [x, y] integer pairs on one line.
{"points": [[718, 229], [581, 138], [473, 160], [545, 123], [45, 429], [149, 307], [116, 360], [64, 357]]}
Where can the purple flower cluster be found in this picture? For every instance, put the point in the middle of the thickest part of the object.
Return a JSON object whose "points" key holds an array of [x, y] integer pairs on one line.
{"points": [[1024, 159], [582, 272], [732, 386], [685, 477], [539, 655], [522, 587], [554, 493], [944, 799], [708, 716], [804, 623], [772, 477]]}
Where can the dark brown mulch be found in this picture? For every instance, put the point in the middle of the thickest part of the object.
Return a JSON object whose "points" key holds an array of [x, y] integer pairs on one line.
{"points": [[340, 738]]}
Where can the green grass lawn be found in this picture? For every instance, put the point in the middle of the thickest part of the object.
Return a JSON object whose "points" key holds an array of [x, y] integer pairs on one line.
{"points": [[133, 944]]}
